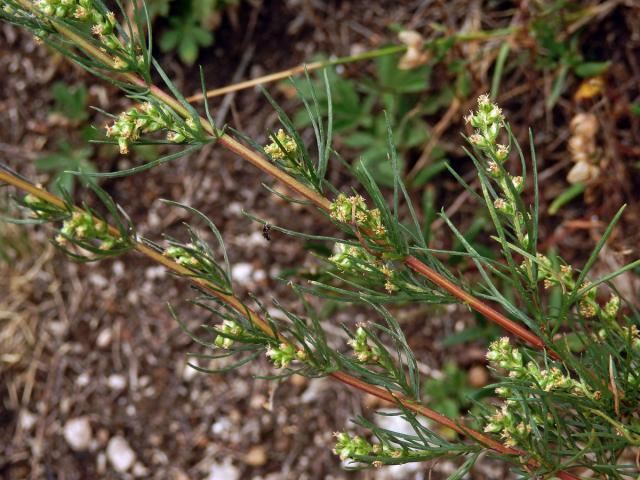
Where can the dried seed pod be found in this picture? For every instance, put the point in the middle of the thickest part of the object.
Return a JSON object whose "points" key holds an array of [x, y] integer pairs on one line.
{"points": [[411, 38], [583, 172], [585, 125], [582, 147], [579, 144], [414, 56], [412, 59]]}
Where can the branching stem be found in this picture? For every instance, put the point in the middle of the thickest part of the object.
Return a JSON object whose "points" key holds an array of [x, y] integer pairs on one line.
{"points": [[318, 200], [252, 316]]}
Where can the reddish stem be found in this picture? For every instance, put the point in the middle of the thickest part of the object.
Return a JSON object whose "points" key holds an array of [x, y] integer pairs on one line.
{"points": [[478, 305]]}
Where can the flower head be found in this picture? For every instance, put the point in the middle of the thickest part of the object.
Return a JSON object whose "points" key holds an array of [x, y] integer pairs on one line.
{"points": [[282, 147]]}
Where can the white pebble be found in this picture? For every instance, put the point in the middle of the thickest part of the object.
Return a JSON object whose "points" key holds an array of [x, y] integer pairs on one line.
{"points": [[259, 275], [104, 338], [101, 463], [241, 273], [117, 382], [153, 273], [118, 268], [188, 373], [234, 208], [224, 470], [120, 455], [77, 433], [98, 280], [222, 427], [27, 420], [139, 470], [83, 379]]}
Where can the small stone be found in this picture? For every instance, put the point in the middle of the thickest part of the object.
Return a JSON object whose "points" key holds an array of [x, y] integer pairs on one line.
{"points": [[57, 329], [98, 280], [104, 338], [478, 376], [178, 474], [257, 401], [120, 455], [241, 273], [234, 208], [139, 470], [256, 457], [26, 420], [225, 470], [118, 268], [222, 427], [188, 373], [117, 382], [83, 380], [298, 381], [77, 433], [153, 273], [259, 276], [101, 463]]}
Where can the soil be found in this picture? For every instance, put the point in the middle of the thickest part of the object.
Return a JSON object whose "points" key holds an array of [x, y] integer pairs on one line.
{"points": [[97, 341]]}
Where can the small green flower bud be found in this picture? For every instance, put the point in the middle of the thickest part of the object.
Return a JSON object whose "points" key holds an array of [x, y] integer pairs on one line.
{"points": [[175, 137], [282, 355], [501, 153], [518, 183], [612, 306], [503, 206], [494, 170]]}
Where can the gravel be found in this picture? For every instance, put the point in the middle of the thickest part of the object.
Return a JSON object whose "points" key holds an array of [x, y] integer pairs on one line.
{"points": [[120, 455], [77, 432]]}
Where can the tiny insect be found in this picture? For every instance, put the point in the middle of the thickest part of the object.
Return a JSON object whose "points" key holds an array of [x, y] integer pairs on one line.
{"points": [[266, 232]]}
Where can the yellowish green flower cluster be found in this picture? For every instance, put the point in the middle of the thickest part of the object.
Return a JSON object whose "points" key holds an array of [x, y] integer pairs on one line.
{"points": [[103, 26], [349, 209], [350, 257], [184, 256], [347, 446], [284, 149], [588, 306], [39, 208], [84, 226], [390, 283], [228, 327], [488, 121], [509, 426], [148, 118], [353, 259], [287, 146], [284, 354], [502, 355], [361, 349], [511, 421]]}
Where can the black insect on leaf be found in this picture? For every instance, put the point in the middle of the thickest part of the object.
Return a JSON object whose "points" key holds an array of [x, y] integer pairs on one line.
{"points": [[266, 232]]}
